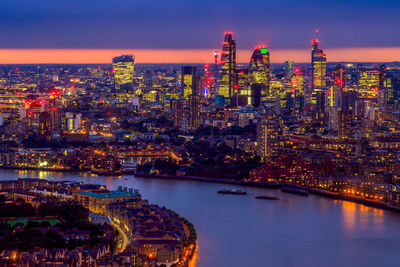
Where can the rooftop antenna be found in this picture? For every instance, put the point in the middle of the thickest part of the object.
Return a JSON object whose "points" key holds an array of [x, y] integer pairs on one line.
{"points": [[316, 34]]}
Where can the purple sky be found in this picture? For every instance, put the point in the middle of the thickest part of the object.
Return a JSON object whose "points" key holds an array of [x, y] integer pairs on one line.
{"points": [[197, 24]]}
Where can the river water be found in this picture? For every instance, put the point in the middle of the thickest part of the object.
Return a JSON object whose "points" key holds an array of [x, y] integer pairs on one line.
{"points": [[236, 230]]}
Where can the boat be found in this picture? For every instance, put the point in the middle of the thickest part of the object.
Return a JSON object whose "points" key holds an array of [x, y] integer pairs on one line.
{"points": [[267, 197], [232, 191], [296, 191]]}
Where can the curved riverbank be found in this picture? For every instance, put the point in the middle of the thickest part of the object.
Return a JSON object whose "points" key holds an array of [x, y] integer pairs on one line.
{"points": [[241, 231], [315, 191]]}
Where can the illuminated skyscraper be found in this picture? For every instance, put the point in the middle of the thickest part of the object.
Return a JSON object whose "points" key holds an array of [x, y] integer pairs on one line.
{"points": [[288, 68], [227, 67], [339, 77], [297, 81], [318, 64], [45, 127], [259, 76], [242, 78], [267, 139], [370, 80], [189, 81], [194, 111], [178, 111], [123, 68]]}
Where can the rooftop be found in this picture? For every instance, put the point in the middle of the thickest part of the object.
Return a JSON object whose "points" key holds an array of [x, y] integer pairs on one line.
{"points": [[112, 193]]}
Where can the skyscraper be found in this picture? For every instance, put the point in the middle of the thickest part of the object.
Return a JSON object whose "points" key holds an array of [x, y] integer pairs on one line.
{"points": [[189, 81], [318, 66], [339, 76], [297, 81], [288, 68], [259, 76], [242, 78], [194, 111], [370, 80], [267, 139], [123, 68], [227, 67]]}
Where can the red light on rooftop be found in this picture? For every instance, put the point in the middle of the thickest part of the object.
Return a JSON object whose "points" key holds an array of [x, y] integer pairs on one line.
{"points": [[55, 93], [228, 33]]}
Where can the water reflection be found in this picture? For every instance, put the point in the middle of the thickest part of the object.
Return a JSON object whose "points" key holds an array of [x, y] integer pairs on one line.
{"points": [[239, 231], [356, 216]]}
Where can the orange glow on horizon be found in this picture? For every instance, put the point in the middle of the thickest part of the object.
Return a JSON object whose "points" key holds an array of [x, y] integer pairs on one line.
{"points": [[98, 56]]}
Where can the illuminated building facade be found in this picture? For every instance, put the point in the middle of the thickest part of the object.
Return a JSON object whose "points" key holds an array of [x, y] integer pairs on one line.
{"points": [[194, 111], [259, 76], [297, 81], [45, 126], [242, 77], [123, 69], [227, 67], [178, 111], [288, 68], [189, 81], [318, 66], [267, 139], [370, 81]]}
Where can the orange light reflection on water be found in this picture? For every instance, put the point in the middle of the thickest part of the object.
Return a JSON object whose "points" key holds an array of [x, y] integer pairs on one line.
{"points": [[357, 216]]}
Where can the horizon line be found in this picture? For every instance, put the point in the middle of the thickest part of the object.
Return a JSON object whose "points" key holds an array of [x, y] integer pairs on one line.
{"points": [[188, 56]]}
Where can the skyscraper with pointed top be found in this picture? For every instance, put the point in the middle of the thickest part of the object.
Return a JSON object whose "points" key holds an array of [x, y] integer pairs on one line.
{"points": [[318, 66], [227, 67], [259, 76]]}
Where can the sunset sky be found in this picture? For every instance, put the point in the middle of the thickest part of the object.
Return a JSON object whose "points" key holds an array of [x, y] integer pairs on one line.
{"points": [[187, 31]]}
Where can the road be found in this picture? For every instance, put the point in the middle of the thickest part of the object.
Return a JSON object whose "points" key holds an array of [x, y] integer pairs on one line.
{"points": [[123, 239]]}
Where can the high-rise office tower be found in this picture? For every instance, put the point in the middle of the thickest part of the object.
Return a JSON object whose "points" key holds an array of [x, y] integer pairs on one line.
{"points": [[319, 113], [259, 76], [178, 111], [297, 82], [318, 66], [288, 68], [370, 80], [242, 78], [45, 127], [339, 74], [123, 69], [189, 81], [339, 77], [227, 67], [194, 111], [267, 139]]}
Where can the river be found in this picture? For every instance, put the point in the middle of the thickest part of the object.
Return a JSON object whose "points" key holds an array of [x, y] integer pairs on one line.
{"points": [[236, 230]]}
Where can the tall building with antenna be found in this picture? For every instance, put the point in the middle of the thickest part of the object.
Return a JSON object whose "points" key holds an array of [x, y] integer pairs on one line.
{"points": [[227, 67], [318, 66]]}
